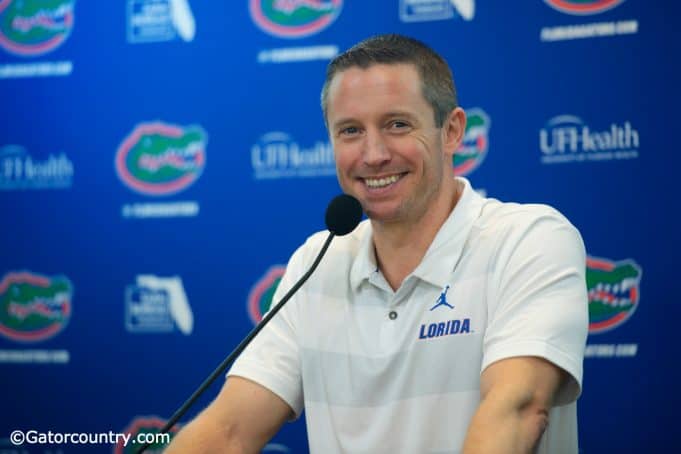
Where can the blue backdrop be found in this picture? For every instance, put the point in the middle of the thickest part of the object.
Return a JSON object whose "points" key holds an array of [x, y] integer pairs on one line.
{"points": [[160, 158]]}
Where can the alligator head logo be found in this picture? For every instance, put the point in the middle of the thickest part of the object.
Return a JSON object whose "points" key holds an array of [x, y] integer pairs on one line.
{"points": [[161, 159], [613, 292], [473, 148], [33, 307], [294, 18], [34, 27], [582, 7], [262, 293]]}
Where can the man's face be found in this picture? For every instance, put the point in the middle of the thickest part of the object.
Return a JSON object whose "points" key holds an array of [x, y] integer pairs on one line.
{"points": [[389, 153]]}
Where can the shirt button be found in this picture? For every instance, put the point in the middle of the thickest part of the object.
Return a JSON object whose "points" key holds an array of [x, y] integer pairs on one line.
{"points": [[392, 315]]}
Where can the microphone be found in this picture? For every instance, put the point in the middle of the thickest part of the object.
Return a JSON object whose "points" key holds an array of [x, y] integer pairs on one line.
{"points": [[342, 216]]}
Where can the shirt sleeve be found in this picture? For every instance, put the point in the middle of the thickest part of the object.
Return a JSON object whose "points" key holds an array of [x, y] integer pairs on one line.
{"points": [[538, 304], [272, 359]]}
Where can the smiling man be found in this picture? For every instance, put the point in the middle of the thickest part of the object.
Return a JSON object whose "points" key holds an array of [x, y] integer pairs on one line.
{"points": [[444, 323]]}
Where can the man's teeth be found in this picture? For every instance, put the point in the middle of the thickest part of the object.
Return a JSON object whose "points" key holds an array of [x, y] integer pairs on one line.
{"points": [[381, 182]]}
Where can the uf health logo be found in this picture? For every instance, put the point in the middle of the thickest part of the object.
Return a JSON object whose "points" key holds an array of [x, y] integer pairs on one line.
{"points": [[262, 293], [33, 307], [34, 27], [160, 159], [158, 304], [473, 149], [613, 292], [277, 155], [19, 170], [294, 18], [583, 7], [566, 139]]}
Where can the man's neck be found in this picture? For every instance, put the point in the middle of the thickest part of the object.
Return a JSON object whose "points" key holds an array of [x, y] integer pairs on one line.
{"points": [[400, 247]]}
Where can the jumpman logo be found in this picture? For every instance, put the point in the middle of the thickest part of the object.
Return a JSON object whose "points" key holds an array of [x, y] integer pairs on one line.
{"points": [[442, 300]]}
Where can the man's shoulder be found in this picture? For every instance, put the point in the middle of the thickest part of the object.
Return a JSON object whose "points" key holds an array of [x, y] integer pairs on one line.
{"points": [[527, 230], [497, 217]]}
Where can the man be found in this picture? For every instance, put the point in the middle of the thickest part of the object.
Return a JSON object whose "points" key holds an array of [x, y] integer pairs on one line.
{"points": [[445, 323]]}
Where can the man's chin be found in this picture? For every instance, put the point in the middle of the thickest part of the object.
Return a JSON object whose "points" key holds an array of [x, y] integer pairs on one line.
{"points": [[382, 214]]}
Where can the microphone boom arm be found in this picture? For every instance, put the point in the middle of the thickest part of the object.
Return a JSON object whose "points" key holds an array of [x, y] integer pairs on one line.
{"points": [[244, 343]]}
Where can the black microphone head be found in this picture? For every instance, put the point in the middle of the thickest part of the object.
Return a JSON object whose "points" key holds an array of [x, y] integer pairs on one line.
{"points": [[343, 214]]}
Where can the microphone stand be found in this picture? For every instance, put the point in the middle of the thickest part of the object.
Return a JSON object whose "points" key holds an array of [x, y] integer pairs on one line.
{"points": [[244, 343]]}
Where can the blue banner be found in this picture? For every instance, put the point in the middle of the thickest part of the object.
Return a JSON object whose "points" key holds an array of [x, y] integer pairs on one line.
{"points": [[161, 159]]}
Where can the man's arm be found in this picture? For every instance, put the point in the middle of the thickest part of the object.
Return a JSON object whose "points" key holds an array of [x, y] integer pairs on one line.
{"points": [[517, 394], [242, 419]]}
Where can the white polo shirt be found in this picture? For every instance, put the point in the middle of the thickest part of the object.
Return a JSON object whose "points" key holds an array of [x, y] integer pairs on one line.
{"points": [[383, 371]]}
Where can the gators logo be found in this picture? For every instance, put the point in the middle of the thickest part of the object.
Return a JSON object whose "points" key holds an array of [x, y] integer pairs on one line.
{"points": [[262, 293], [142, 430], [294, 18], [582, 7], [161, 159], [473, 148], [33, 307], [613, 292], [34, 27]]}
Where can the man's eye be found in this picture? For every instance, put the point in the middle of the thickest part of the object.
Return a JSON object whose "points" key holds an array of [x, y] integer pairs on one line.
{"points": [[349, 131], [397, 124]]}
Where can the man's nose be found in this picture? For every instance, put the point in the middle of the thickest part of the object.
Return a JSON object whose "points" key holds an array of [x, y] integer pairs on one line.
{"points": [[375, 152]]}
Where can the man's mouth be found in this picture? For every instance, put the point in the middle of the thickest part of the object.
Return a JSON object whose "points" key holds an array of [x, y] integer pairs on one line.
{"points": [[382, 182]]}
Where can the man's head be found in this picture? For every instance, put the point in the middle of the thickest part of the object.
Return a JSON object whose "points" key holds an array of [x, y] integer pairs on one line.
{"points": [[437, 84], [393, 152]]}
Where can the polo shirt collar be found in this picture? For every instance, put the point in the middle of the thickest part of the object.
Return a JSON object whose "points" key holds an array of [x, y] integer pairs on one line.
{"points": [[365, 263], [443, 253], [446, 249]]}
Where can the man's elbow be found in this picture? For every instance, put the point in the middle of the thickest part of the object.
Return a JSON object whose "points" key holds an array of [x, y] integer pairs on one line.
{"points": [[535, 420], [530, 409]]}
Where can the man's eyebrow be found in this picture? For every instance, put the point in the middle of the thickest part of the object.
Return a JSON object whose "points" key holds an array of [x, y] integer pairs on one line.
{"points": [[388, 115], [342, 122], [400, 113]]}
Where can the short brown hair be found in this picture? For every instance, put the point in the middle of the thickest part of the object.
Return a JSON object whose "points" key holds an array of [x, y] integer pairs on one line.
{"points": [[437, 83]]}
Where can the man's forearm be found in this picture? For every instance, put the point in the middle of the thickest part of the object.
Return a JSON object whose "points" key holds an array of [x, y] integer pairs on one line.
{"points": [[202, 436], [504, 424], [242, 419]]}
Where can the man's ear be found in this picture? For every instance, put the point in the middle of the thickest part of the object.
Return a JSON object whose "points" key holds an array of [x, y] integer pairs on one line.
{"points": [[453, 130]]}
